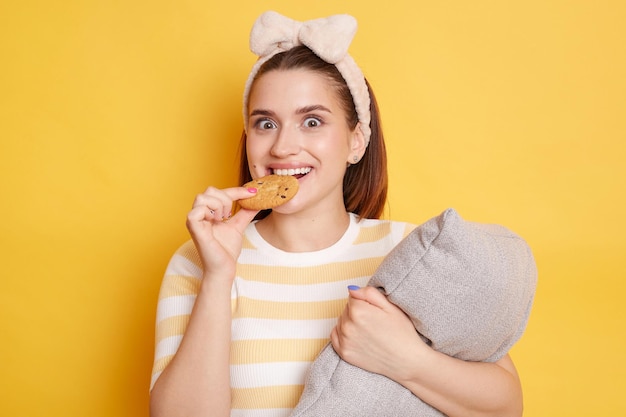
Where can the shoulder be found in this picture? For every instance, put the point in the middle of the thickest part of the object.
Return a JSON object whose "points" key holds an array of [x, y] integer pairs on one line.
{"points": [[183, 274], [385, 232], [185, 261], [380, 228]]}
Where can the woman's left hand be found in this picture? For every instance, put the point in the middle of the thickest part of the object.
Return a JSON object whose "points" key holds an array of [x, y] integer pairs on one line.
{"points": [[374, 334]]}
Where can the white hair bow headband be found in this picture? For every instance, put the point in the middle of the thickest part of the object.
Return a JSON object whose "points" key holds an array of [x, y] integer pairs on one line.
{"points": [[329, 38]]}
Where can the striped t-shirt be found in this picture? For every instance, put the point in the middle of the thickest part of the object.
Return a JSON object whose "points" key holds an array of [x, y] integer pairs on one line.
{"points": [[284, 306]]}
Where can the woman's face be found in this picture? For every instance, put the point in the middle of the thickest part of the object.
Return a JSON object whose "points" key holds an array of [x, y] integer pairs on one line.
{"points": [[297, 127]]}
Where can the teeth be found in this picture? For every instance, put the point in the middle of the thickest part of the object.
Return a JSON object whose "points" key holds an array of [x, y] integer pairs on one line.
{"points": [[292, 171]]}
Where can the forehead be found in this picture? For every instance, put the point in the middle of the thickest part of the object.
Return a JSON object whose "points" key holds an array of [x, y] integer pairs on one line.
{"points": [[292, 88]]}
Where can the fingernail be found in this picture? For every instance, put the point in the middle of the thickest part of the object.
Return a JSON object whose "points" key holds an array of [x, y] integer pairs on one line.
{"points": [[353, 287], [252, 190]]}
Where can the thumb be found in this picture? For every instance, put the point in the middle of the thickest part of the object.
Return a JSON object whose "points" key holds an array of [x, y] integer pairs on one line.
{"points": [[370, 295], [242, 218]]}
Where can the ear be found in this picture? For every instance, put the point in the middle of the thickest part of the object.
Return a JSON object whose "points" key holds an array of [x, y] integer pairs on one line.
{"points": [[357, 144]]}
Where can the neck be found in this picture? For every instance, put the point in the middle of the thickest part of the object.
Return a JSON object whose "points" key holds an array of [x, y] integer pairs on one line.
{"points": [[299, 233]]}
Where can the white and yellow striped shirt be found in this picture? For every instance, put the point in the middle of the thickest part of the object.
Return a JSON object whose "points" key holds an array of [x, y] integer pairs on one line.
{"points": [[284, 307]]}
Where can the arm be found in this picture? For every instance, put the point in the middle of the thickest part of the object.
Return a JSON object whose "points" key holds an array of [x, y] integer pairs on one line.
{"points": [[196, 382], [197, 378], [377, 336], [462, 388]]}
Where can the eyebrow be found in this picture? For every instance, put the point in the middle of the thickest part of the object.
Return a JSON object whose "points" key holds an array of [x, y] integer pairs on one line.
{"points": [[261, 112], [311, 108], [301, 110]]}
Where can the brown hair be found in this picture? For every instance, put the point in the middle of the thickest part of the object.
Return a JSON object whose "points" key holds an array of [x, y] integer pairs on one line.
{"points": [[365, 183]]}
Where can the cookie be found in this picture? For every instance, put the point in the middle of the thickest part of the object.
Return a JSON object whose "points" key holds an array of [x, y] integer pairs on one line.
{"points": [[272, 191]]}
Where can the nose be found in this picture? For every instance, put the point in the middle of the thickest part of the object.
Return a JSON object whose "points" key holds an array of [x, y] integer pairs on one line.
{"points": [[287, 143]]}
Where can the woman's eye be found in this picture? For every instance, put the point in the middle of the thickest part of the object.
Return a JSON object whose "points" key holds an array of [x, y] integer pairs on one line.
{"points": [[312, 122], [265, 124]]}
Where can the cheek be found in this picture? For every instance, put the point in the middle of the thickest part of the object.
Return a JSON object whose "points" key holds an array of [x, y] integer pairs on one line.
{"points": [[255, 154], [253, 149], [337, 147]]}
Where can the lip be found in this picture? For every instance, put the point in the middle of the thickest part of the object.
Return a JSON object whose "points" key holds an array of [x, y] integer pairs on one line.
{"points": [[288, 165]]}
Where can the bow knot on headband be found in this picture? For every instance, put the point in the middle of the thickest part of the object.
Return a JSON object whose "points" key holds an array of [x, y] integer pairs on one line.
{"points": [[329, 38]]}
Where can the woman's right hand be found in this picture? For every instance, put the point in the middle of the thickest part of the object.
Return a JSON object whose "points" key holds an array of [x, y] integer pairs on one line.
{"points": [[217, 235]]}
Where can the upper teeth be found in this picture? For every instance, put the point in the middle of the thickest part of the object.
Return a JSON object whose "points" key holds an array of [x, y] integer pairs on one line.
{"points": [[292, 171]]}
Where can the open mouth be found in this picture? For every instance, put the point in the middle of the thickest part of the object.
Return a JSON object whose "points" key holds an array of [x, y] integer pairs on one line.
{"points": [[296, 172]]}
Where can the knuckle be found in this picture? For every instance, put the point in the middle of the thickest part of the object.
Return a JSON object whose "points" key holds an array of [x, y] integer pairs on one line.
{"points": [[370, 290], [199, 198], [356, 314], [191, 215]]}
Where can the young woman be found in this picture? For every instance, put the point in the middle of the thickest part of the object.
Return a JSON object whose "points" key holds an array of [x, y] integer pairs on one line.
{"points": [[249, 302]]}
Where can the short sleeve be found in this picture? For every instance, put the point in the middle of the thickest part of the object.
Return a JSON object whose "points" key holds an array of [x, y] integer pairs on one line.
{"points": [[177, 296]]}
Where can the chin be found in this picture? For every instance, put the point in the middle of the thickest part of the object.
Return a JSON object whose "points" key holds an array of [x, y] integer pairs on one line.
{"points": [[291, 207]]}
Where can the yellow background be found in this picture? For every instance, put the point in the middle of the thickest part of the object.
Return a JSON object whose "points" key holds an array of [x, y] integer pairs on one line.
{"points": [[113, 115]]}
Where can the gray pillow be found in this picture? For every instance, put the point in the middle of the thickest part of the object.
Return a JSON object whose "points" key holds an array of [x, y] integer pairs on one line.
{"points": [[467, 287]]}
